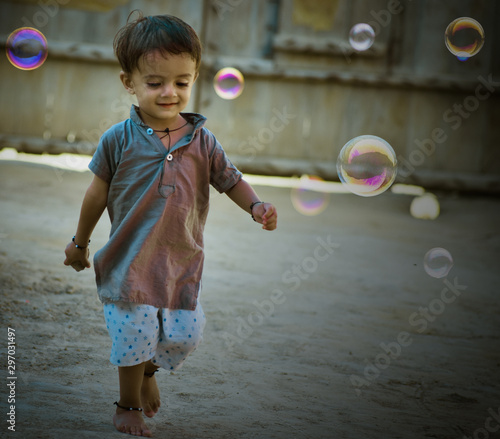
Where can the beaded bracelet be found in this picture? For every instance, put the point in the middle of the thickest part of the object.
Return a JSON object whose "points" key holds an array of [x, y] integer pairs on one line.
{"points": [[252, 206], [79, 246]]}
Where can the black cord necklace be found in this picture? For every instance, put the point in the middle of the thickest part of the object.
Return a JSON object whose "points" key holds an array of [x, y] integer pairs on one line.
{"points": [[167, 132]]}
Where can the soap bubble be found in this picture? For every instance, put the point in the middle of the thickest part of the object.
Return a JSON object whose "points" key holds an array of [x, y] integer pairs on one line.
{"points": [[229, 83], [308, 199], [425, 206], [361, 37], [464, 37], [438, 262], [366, 165], [26, 48]]}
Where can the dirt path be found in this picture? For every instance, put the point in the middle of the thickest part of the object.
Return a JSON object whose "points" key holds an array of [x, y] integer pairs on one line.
{"points": [[326, 328]]}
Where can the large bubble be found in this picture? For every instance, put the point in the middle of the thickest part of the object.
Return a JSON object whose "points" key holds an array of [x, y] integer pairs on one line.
{"points": [[26, 48], [361, 37], [366, 165], [464, 37], [229, 83]]}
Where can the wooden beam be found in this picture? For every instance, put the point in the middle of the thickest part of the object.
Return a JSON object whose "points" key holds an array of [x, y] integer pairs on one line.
{"points": [[312, 45], [268, 69], [261, 68]]}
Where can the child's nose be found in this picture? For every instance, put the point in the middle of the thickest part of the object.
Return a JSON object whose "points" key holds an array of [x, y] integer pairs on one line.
{"points": [[169, 91]]}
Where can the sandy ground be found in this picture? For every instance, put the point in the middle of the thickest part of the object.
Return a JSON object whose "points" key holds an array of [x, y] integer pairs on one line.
{"points": [[308, 361]]}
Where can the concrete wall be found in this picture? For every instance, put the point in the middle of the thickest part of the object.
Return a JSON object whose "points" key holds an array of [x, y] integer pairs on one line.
{"points": [[306, 91]]}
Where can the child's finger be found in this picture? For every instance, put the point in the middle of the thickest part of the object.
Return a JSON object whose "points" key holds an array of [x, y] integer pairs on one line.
{"points": [[272, 216], [78, 266], [271, 223], [269, 227], [268, 212]]}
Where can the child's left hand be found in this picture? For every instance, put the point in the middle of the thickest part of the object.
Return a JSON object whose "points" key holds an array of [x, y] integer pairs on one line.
{"points": [[77, 258], [266, 214]]}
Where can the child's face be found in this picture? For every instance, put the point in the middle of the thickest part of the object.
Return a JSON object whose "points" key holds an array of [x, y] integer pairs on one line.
{"points": [[163, 87]]}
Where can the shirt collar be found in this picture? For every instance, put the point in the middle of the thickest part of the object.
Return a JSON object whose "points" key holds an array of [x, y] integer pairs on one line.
{"points": [[195, 119]]}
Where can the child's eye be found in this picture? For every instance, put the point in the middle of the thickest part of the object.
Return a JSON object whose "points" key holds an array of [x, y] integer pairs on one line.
{"points": [[182, 84], [154, 84]]}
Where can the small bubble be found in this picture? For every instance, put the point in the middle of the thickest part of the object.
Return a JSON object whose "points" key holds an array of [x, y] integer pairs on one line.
{"points": [[71, 137], [361, 37], [438, 262], [308, 199], [229, 83], [26, 48], [464, 37]]}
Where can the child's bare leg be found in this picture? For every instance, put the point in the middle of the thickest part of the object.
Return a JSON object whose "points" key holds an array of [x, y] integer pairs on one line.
{"points": [[126, 421], [150, 394]]}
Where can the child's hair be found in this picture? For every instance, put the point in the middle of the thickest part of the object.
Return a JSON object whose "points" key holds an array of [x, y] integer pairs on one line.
{"points": [[165, 33]]}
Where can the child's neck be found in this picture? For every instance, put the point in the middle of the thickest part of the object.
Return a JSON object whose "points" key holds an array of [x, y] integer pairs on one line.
{"points": [[163, 124]]}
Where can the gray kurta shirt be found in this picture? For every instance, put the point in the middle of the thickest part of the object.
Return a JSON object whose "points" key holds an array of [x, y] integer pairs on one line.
{"points": [[158, 204]]}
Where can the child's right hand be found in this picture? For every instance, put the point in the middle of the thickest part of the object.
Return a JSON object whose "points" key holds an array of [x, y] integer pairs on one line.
{"points": [[78, 258]]}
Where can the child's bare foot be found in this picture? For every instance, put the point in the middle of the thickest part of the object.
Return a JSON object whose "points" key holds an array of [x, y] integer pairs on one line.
{"points": [[150, 396], [130, 422]]}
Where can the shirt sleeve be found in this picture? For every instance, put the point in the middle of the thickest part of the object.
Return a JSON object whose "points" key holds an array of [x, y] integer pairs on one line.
{"points": [[223, 174], [107, 156]]}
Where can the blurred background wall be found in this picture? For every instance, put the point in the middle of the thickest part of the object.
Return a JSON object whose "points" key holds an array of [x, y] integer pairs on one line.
{"points": [[307, 92]]}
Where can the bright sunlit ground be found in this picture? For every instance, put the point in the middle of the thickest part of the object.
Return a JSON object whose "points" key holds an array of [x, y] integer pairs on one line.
{"points": [[76, 162]]}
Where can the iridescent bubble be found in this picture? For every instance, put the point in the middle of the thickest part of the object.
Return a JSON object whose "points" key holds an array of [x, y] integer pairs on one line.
{"points": [[26, 48], [425, 207], [464, 37], [229, 83], [361, 37], [438, 262], [308, 199], [366, 165]]}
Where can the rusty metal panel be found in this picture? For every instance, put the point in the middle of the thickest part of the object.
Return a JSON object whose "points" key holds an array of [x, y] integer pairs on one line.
{"points": [[306, 90]]}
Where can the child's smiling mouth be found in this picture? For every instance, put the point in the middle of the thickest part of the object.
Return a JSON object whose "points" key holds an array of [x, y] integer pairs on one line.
{"points": [[169, 105]]}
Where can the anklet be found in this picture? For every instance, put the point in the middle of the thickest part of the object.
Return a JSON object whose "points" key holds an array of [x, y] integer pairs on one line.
{"points": [[127, 408]]}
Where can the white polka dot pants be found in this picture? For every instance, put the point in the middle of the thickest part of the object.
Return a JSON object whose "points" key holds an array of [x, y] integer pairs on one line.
{"points": [[143, 332]]}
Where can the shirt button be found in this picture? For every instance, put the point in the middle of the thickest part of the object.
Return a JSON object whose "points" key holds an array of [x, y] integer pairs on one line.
{"points": [[170, 157], [149, 131]]}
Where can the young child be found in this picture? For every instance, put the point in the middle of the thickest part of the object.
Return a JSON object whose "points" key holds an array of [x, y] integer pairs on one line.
{"points": [[152, 173]]}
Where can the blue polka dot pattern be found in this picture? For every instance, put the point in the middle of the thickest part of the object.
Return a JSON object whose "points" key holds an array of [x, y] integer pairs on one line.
{"points": [[163, 339]]}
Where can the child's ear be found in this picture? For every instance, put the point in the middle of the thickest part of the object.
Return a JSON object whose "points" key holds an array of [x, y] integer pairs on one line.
{"points": [[195, 77], [127, 82]]}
